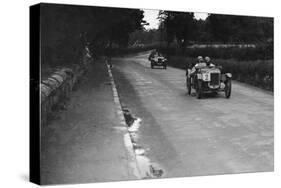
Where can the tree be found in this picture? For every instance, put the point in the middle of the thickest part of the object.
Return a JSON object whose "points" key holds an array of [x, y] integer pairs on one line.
{"points": [[247, 29], [179, 26], [219, 27], [66, 29], [145, 36], [129, 21]]}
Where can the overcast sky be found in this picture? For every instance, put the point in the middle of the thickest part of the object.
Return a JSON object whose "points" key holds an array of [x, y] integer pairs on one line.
{"points": [[151, 17]]}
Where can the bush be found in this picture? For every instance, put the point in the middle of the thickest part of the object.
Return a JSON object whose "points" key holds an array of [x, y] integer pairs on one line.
{"points": [[125, 51], [262, 52]]}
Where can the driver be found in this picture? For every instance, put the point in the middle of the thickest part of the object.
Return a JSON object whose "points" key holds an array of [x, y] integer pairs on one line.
{"points": [[200, 63], [152, 54], [208, 62]]}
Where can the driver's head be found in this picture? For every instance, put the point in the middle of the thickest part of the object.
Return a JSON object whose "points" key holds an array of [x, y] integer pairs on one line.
{"points": [[208, 60], [200, 59]]}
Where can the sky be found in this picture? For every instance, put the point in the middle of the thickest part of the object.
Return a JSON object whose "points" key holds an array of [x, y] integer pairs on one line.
{"points": [[151, 17], [200, 15]]}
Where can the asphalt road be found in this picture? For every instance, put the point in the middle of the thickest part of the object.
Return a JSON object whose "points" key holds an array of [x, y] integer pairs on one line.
{"points": [[185, 136]]}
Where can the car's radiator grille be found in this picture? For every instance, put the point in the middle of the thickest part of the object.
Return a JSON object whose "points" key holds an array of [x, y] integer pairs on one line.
{"points": [[215, 79]]}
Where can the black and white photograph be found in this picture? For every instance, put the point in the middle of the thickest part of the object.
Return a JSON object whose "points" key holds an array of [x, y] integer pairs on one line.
{"points": [[135, 94]]}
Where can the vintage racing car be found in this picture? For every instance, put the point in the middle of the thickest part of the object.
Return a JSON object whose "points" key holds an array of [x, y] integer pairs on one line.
{"points": [[158, 60], [209, 80]]}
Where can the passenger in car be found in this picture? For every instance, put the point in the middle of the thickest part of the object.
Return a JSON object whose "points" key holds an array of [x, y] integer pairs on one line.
{"points": [[208, 62]]}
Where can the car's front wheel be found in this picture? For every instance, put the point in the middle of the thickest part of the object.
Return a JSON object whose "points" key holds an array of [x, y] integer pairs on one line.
{"points": [[227, 89], [199, 89], [188, 85]]}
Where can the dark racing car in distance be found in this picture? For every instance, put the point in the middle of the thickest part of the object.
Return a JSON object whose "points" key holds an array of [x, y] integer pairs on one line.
{"points": [[156, 59]]}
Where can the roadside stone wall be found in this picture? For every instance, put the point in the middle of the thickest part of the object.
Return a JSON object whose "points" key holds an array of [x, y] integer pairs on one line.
{"points": [[57, 88]]}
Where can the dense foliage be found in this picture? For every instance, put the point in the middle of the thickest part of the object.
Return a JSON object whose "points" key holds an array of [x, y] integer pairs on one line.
{"points": [[245, 29], [145, 37], [184, 28], [261, 51], [67, 29], [179, 26]]}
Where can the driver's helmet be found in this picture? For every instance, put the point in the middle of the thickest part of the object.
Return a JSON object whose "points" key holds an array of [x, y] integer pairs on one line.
{"points": [[200, 59], [207, 59]]}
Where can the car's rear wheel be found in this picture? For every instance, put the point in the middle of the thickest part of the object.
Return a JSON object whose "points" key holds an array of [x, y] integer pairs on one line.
{"points": [[188, 85], [199, 89], [227, 89]]}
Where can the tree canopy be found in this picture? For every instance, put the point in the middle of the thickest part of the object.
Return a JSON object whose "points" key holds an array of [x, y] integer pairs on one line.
{"points": [[184, 28], [248, 29], [67, 28], [178, 25]]}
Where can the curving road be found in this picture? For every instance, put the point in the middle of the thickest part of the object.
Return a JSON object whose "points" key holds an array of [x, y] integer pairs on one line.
{"points": [[189, 137]]}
